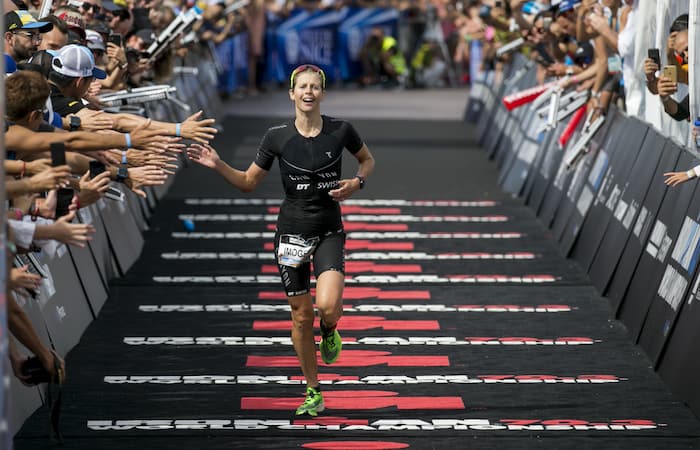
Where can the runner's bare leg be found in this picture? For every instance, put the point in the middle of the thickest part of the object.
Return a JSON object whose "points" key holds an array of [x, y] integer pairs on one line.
{"points": [[303, 336], [329, 296]]}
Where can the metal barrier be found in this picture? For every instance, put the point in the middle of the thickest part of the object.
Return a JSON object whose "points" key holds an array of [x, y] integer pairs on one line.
{"points": [[76, 287], [604, 199]]}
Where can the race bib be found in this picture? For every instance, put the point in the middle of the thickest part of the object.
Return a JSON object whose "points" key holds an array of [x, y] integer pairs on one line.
{"points": [[614, 64], [294, 251]]}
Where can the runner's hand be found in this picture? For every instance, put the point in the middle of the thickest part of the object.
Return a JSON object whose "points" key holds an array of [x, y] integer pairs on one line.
{"points": [[345, 189], [204, 155]]}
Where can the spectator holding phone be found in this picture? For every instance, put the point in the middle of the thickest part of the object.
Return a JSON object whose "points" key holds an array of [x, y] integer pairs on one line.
{"points": [[676, 71]]}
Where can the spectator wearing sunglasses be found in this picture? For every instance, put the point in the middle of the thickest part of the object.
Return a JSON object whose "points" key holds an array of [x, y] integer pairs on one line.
{"points": [[309, 150], [91, 9], [23, 34]]}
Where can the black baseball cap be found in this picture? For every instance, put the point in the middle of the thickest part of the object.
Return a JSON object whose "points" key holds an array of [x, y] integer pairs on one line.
{"points": [[23, 20]]}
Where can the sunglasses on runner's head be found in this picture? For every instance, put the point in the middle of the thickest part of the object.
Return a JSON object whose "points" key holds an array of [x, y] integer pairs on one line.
{"points": [[304, 68]]}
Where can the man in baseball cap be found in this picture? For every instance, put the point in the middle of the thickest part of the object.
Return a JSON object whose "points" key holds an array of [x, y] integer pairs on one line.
{"points": [[23, 34], [72, 71], [76, 24]]}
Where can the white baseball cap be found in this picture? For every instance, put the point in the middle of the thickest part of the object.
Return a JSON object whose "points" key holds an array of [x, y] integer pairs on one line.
{"points": [[94, 40], [76, 61]]}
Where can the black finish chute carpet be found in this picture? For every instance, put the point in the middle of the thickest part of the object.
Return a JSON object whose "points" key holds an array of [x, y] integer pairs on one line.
{"points": [[464, 327]]}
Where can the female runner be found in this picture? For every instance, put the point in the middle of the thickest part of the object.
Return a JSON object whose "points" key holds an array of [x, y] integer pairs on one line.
{"points": [[309, 151]]}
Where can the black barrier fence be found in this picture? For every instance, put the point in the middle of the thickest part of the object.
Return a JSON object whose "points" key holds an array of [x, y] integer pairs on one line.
{"points": [[76, 283], [608, 207]]}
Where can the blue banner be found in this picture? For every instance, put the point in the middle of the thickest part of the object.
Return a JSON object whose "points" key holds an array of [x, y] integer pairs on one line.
{"points": [[310, 38], [227, 80], [233, 56]]}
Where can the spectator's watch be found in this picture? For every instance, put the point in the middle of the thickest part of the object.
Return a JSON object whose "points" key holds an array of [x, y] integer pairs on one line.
{"points": [[122, 174], [75, 123], [362, 181]]}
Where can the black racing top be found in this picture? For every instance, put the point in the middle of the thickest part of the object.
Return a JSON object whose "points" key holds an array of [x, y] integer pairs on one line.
{"points": [[310, 167], [64, 105]]}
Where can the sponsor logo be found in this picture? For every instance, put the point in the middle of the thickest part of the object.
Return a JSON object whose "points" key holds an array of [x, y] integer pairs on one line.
{"points": [[363, 267], [367, 279], [421, 256], [396, 424], [357, 400], [350, 218], [352, 235], [355, 358], [359, 445], [252, 341], [359, 256], [342, 380], [436, 235], [354, 244], [356, 293], [350, 202], [349, 209], [327, 184], [356, 256], [357, 323], [421, 307]]}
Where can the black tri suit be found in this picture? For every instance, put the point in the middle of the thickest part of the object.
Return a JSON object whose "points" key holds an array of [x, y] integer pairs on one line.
{"points": [[309, 225]]}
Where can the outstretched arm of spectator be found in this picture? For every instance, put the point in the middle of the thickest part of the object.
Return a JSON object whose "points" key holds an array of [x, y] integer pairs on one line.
{"points": [[51, 178], [20, 278], [16, 360], [26, 168], [20, 326], [676, 178], [21, 139], [66, 232], [191, 128], [144, 176], [581, 77], [91, 120], [92, 189], [600, 24]]}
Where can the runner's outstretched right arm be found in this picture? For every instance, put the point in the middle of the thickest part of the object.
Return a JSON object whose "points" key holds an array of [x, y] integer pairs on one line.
{"points": [[245, 181]]}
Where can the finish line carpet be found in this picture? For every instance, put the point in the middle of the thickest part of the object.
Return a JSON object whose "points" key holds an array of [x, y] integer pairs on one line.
{"points": [[463, 326]]}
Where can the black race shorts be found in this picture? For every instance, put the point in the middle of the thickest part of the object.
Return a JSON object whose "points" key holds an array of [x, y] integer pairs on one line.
{"points": [[328, 255]]}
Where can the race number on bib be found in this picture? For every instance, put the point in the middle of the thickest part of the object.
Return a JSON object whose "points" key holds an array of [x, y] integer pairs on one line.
{"points": [[294, 251]]}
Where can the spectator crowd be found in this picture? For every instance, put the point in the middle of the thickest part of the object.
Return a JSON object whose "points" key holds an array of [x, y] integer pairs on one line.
{"points": [[65, 150], [590, 46]]}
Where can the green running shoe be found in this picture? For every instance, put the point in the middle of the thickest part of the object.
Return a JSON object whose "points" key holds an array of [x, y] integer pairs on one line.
{"points": [[313, 403], [330, 347]]}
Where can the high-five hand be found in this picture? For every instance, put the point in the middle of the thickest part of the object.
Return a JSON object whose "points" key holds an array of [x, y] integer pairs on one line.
{"points": [[203, 154]]}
